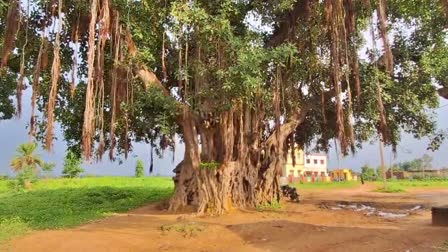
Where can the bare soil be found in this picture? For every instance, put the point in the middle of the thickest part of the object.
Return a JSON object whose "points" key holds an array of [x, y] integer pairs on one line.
{"points": [[305, 226]]}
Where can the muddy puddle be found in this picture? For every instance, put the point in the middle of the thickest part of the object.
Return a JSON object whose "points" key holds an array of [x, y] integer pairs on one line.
{"points": [[370, 209]]}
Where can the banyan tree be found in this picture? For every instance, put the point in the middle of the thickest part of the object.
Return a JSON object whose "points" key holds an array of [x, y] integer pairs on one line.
{"points": [[240, 82]]}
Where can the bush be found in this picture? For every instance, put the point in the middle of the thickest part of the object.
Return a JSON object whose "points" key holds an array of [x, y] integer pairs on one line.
{"points": [[48, 168], [72, 166], [272, 206], [25, 178], [139, 169], [368, 173], [13, 226]]}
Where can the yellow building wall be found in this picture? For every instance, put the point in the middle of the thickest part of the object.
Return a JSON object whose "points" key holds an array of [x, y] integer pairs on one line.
{"points": [[344, 174], [297, 169]]}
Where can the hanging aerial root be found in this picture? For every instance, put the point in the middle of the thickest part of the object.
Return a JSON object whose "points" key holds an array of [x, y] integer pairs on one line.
{"points": [[89, 112], [348, 29], [104, 25], [36, 81], [383, 129], [116, 32], [75, 40], [350, 24], [20, 86], [55, 74], [333, 9], [444, 4], [12, 26], [382, 16]]}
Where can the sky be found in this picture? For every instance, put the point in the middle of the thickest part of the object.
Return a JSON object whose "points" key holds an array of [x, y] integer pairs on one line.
{"points": [[14, 132]]}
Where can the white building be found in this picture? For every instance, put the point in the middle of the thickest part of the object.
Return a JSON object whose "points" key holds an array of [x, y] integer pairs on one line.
{"points": [[312, 165], [315, 165]]}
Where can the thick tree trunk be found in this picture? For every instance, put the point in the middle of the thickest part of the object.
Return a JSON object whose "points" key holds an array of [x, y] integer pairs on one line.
{"points": [[232, 185], [247, 170]]}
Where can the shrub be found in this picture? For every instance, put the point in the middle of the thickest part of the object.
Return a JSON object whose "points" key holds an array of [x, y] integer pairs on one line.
{"points": [[273, 206], [139, 169], [25, 178], [10, 227], [48, 168], [72, 166], [368, 173]]}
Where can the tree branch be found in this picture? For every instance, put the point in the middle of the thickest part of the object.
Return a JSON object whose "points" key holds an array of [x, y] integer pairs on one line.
{"points": [[294, 120], [285, 28], [443, 92], [147, 76]]}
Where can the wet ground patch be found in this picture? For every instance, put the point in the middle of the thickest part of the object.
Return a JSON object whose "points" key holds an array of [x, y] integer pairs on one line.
{"points": [[387, 211]]}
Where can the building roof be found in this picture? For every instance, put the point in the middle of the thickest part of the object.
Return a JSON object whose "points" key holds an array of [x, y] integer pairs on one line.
{"points": [[316, 154]]}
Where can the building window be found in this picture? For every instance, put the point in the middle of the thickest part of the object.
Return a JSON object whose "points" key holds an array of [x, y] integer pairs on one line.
{"points": [[307, 160], [315, 161], [322, 162]]}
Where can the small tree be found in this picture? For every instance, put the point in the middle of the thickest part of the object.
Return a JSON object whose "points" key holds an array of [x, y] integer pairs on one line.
{"points": [[25, 178], [368, 173], [26, 157], [48, 168], [139, 169], [72, 166]]}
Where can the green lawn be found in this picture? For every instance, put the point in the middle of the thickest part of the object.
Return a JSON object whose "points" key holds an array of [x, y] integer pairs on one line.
{"points": [[403, 185], [60, 203], [394, 186], [327, 185]]}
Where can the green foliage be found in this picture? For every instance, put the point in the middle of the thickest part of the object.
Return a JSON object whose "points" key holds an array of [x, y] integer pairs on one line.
{"points": [[326, 185], [11, 227], [213, 165], [368, 173], [139, 169], [24, 179], [26, 157], [8, 84], [418, 164], [62, 203], [434, 60], [270, 206], [403, 185], [48, 168], [72, 165]]}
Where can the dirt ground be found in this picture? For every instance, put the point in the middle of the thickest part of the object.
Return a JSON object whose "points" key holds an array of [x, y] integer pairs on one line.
{"points": [[306, 226]]}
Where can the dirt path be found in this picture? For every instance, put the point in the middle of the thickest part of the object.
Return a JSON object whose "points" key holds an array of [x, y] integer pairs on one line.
{"points": [[298, 227]]}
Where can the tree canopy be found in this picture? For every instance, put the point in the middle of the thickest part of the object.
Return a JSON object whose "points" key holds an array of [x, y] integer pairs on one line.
{"points": [[113, 72]]}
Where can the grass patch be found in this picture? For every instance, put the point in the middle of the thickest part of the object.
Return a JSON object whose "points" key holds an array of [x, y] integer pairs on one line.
{"points": [[443, 248], [273, 206], [186, 229], [390, 189], [11, 227], [394, 186], [61, 203], [327, 185], [419, 183]]}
